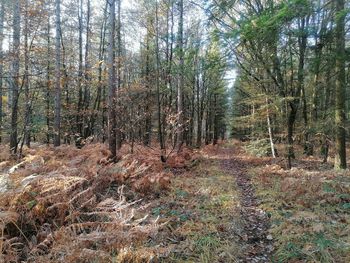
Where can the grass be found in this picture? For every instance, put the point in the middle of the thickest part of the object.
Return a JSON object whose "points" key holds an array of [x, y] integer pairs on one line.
{"points": [[309, 213], [201, 215]]}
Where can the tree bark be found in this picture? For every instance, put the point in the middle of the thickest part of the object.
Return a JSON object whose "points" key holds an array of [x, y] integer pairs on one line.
{"points": [[48, 82], [2, 11], [112, 124], [119, 66], [180, 108], [87, 73], [80, 70], [340, 87], [272, 145], [15, 75], [26, 139], [57, 120], [160, 130]]}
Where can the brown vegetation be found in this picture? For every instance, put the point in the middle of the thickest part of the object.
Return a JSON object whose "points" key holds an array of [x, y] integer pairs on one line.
{"points": [[64, 204]]}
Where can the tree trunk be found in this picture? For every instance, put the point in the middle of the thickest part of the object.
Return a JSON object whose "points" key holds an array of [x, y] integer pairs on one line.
{"points": [[303, 25], [180, 108], [57, 120], [340, 87], [87, 131], [80, 70], [216, 121], [199, 114], [26, 139], [272, 145], [290, 128], [15, 75], [160, 130], [2, 11], [112, 124], [119, 66], [48, 82], [100, 85]]}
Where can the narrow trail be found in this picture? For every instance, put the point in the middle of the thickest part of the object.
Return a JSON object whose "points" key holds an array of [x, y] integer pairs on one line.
{"points": [[256, 242]]}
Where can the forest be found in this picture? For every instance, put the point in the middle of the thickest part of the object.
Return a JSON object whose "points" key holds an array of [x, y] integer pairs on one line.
{"points": [[174, 131]]}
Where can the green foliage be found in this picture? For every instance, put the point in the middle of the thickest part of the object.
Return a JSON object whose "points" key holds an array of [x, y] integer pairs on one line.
{"points": [[267, 24], [258, 147]]}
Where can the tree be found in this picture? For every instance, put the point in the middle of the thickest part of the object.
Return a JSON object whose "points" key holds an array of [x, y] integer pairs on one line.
{"points": [[15, 74], [180, 106], [340, 86], [26, 139], [2, 13], [112, 121], [57, 120]]}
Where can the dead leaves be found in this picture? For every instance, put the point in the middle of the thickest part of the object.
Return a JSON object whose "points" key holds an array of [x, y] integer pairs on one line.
{"points": [[73, 191]]}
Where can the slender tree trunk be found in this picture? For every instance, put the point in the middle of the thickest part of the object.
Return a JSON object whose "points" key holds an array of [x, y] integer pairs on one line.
{"points": [[2, 11], [119, 66], [160, 133], [57, 120], [318, 55], [26, 80], [303, 25], [199, 114], [87, 130], [80, 70], [112, 124], [100, 87], [215, 122], [180, 88], [290, 130], [15, 75], [340, 87], [48, 82], [272, 145]]}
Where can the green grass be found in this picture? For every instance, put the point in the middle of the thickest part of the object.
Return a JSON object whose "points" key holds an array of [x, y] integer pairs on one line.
{"points": [[201, 209]]}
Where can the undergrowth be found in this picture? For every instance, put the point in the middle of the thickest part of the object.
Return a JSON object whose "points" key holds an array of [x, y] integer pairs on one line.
{"points": [[309, 210], [73, 205], [201, 210]]}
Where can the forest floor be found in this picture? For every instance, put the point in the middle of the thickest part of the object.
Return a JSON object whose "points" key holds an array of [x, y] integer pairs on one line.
{"points": [[217, 204]]}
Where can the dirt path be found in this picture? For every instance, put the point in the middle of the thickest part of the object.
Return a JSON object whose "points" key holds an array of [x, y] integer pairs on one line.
{"points": [[257, 243]]}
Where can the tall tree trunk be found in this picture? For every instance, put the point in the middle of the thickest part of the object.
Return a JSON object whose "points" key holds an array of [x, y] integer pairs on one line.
{"points": [[80, 70], [180, 88], [119, 65], [100, 87], [340, 87], [48, 81], [160, 131], [268, 117], [303, 25], [215, 121], [26, 139], [15, 75], [290, 129], [57, 120], [2, 11], [87, 130], [147, 109], [112, 124], [199, 113]]}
